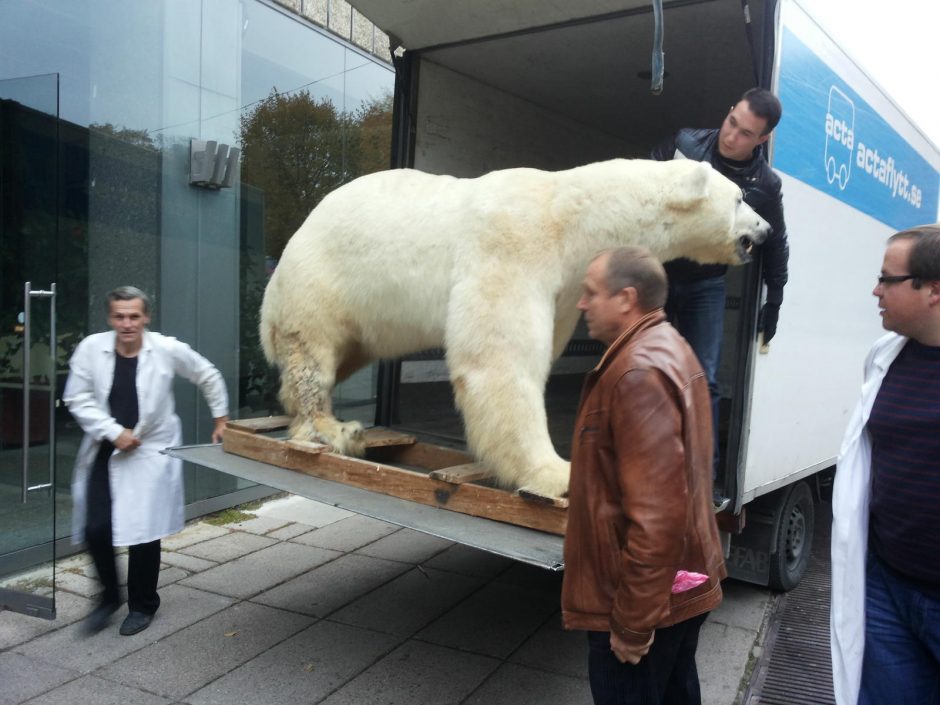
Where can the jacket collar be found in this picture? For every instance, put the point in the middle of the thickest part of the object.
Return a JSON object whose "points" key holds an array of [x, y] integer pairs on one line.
{"points": [[886, 353], [654, 317]]}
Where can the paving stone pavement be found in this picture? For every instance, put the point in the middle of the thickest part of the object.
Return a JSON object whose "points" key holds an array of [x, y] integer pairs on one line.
{"points": [[306, 603]]}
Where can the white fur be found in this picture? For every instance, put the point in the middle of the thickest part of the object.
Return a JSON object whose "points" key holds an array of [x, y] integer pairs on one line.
{"points": [[490, 268]]}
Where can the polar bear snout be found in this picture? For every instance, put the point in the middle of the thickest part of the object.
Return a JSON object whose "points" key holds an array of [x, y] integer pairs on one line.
{"points": [[752, 230]]}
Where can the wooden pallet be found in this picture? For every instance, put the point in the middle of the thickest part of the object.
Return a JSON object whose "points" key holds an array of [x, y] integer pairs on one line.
{"points": [[397, 464]]}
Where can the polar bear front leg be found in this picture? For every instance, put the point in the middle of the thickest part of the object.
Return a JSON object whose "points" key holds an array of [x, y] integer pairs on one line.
{"points": [[307, 380], [499, 382]]}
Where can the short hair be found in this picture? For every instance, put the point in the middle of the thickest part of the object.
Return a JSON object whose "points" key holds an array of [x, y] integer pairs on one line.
{"points": [[636, 267], [126, 293], [764, 104], [924, 258]]}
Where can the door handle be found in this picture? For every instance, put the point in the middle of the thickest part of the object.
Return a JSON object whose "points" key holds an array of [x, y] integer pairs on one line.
{"points": [[28, 294]]}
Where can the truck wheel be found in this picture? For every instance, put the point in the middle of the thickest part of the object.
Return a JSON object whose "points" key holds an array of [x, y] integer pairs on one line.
{"points": [[794, 538]]}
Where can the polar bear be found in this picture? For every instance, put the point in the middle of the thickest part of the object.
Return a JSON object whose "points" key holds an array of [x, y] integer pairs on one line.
{"points": [[489, 268]]}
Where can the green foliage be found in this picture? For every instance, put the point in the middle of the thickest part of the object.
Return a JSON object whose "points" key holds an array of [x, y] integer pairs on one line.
{"points": [[296, 148]]}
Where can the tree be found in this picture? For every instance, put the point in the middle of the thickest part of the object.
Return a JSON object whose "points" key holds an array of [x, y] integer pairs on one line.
{"points": [[297, 148]]}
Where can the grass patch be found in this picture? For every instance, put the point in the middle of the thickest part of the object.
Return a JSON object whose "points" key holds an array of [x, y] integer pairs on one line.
{"points": [[234, 515]]}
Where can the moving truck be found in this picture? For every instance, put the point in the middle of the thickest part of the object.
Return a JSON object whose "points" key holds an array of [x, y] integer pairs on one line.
{"points": [[548, 84]]}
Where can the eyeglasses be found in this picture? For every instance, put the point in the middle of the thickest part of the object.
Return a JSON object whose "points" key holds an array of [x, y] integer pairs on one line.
{"points": [[895, 278]]}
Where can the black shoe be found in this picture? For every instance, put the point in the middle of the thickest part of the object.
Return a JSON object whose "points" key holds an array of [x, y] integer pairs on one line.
{"points": [[135, 622], [99, 618]]}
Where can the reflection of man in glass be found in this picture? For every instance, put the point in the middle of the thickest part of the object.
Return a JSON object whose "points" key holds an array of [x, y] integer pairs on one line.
{"points": [[126, 493]]}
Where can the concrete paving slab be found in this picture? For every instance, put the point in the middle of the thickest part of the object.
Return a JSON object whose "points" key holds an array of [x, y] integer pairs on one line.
{"points": [[325, 589], [494, 621], [91, 690], [554, 649], [79, 560], [290, 531], [18, 628], [722, 658], [194, 657], [259, 525], [407, 546], [191, 564], [228, 547], [303, 669], [78, 584], [302, 510], [469, 561], [348, 534], [169, 575], [192, 534], [513, 684], [409, 602], [260, 570], [42, 677], [744, 605], [69, 648], [417, 673]]}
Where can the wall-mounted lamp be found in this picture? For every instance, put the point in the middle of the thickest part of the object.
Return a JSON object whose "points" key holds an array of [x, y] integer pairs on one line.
{"points": [[212, 165]]}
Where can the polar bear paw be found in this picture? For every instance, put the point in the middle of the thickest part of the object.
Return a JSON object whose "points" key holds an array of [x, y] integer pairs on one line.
{"points": [[548, 480], [345, 438]]}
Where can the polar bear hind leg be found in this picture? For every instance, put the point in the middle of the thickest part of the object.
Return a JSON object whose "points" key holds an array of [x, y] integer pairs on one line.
{"points": [[308, 375], [500, 390]]}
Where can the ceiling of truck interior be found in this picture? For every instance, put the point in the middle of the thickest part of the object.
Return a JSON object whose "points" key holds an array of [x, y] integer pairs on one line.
{"points": [[586, 59]]}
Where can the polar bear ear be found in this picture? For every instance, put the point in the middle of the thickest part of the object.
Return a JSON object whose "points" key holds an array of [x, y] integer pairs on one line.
{"points": [[692, 185]]}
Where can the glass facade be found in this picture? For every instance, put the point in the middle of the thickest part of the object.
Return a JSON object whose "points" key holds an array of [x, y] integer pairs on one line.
{"points": [[108, 200]]}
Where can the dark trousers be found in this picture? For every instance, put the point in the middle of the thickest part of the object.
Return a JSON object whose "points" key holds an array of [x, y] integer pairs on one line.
{"points": [[143, 566], [667, 675], [902, 640], [697, 310]]}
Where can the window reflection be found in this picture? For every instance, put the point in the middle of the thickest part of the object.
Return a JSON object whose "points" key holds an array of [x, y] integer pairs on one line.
{"points": [[324, 119]]}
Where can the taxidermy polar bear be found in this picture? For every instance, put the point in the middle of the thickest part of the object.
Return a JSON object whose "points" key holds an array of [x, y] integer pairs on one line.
{"points": [[489, 268]]}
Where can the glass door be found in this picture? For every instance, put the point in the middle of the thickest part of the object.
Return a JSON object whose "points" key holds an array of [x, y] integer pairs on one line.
{"points": [[30, 378]]}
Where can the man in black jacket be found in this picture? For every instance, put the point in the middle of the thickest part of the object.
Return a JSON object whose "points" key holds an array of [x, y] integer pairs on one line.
{"points": [[697, 292]]}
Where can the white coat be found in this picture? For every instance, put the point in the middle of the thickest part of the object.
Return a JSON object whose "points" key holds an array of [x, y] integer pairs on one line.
{"points": [[146, 486], [851, 493]]}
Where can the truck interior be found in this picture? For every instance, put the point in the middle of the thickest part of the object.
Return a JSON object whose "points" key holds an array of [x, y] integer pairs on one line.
{"points": [[554, 85]]}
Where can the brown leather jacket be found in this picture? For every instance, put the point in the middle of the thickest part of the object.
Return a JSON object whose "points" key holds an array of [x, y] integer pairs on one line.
{"points": [[640, 498]]}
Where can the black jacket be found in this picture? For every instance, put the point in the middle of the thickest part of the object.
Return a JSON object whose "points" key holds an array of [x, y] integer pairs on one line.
{"points": [[761, 187]]}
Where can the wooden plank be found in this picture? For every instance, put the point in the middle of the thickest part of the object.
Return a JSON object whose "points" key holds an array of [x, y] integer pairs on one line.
{"points": [[561, 502], [261, 424], [467, 498], [421, 455], [255, 446], [377, 436], [459, 474], [308, 446]]}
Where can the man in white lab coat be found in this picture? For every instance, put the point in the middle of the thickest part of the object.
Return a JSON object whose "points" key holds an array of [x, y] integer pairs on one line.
{"points": [[885, 618], [125, 493]]}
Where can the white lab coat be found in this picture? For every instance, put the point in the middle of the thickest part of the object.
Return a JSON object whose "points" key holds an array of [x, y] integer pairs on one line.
{"points": [[850, 498], [146, 487]]}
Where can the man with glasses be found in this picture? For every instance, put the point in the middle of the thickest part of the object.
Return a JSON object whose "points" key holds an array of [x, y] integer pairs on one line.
{"points": [[886, 503], [696, 305]]}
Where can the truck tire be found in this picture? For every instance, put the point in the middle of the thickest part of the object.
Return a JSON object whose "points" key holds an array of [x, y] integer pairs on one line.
{"points": [[796, 522]]}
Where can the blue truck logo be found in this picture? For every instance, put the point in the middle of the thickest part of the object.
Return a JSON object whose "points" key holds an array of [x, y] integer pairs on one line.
{"points": [[840, 137]]}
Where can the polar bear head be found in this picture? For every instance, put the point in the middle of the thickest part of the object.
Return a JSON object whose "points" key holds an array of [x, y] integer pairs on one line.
{"points": [[709, 220]]}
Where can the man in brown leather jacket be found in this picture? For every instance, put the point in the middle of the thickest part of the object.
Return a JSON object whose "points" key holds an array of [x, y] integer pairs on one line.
{"points": [[640, 499]]}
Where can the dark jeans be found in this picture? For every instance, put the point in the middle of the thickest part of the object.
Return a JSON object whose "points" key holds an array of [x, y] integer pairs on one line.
{"points": [[143, 564], [697, 310], [667, 675], [902, 640]]}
